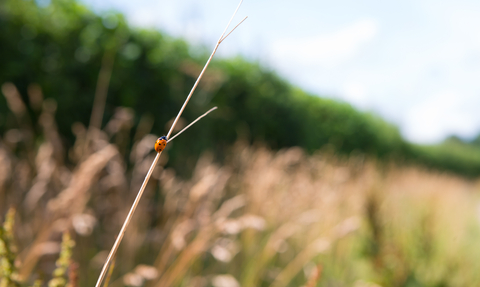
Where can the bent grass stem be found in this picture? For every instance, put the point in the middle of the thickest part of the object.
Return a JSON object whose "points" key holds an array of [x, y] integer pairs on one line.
{"points": [[119, 238]]}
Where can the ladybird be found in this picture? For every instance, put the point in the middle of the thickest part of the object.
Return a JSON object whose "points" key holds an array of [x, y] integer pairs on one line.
{"points": [[161, 143]]}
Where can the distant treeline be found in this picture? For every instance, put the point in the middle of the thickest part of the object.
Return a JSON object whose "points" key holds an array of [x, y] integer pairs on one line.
{"points": [[63, 46]]}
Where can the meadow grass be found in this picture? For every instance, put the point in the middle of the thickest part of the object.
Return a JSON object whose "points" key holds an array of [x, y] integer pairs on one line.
{"points": [[262, 218]]}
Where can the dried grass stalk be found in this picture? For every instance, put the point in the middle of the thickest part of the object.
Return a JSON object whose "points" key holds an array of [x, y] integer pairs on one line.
{"points": [[149, 173]]}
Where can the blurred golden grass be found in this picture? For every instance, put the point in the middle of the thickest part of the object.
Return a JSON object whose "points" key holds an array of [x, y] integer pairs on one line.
{"points": [[264, 218]]}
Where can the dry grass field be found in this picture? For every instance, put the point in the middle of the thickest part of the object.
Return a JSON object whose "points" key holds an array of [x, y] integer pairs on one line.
{"points": [[264, 218]]}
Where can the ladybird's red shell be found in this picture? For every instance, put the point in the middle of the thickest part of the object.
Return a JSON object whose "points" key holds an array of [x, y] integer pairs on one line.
{"points": [[160, 144]]}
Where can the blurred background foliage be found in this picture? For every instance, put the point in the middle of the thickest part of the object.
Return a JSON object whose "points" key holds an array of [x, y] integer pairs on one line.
{"points": [[61, 48], [277, 188]]}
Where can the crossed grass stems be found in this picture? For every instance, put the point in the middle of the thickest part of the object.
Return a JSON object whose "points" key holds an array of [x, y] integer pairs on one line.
{"points": [[119, 238]]}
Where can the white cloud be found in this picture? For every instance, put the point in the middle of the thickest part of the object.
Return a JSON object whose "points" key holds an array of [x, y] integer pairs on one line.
{"points": [[143, 17], [356, 92], [329, 50], [439, 116]]}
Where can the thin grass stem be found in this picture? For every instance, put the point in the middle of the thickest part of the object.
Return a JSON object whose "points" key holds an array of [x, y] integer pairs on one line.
{"points": [[191, 124], [126, 222], [221, 40], [109, 274], [119, 238], [202, 72], [149, 173]]}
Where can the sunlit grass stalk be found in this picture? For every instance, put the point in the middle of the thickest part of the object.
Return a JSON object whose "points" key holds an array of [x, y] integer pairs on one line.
{"points": [[60, 273], [191, 124], [109, 274], [119, 238], [8, 251], [222, 37]]}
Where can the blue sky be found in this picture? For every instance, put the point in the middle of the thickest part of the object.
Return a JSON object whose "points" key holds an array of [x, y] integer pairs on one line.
{"points": [[415, 63]]}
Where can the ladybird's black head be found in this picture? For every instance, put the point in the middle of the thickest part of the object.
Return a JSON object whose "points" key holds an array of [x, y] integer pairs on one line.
{"points": [[163, 138]]}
